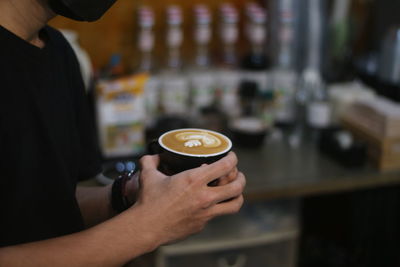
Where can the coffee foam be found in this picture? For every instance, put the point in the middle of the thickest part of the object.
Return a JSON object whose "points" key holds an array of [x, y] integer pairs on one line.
{"points": [[194, 139], [195, 142]]}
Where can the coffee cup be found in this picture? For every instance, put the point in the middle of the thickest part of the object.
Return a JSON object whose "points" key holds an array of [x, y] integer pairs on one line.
{"points": [[188, 148]]}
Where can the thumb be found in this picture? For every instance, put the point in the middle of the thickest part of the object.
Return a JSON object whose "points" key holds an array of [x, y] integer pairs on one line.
{"points": [[149, 162]]}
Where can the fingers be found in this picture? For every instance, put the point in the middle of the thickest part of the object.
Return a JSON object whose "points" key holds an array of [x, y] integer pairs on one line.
{"points": [[208, 173], [224, 208], [230, 190], [149, 169], [149, 162], [228, 178]]}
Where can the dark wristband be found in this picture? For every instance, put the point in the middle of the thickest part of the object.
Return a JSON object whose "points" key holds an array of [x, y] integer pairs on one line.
{"points": [[119, 202]]}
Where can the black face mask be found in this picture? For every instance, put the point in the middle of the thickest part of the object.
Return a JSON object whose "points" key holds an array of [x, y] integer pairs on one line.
{"points": [[82, 10]]}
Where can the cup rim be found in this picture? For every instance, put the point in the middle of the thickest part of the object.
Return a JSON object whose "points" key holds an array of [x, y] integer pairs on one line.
{"points": [[194, 155]]}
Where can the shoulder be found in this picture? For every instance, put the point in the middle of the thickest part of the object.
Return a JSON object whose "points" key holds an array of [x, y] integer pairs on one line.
{"points": [[57, 39], [61, 45], [64, 51], [56, 36]]}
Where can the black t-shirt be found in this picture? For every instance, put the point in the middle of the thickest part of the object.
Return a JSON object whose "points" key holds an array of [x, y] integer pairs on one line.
{"points": [[47, 139]]}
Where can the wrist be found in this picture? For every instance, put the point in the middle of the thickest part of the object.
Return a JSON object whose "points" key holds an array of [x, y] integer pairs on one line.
{"points": [[132, 188], [124, 192], [125, 237], [151, 234]]}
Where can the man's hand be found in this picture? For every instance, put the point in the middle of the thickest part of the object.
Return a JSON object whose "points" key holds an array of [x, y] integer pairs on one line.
{"points": [[180, 205], [168, 208]]}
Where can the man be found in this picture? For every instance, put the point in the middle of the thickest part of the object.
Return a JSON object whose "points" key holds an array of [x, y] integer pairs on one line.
{"points": [[46, 147]]}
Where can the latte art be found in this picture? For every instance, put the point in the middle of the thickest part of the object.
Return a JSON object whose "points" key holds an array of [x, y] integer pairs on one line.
{"points": [[191, 139], [194, 142]]}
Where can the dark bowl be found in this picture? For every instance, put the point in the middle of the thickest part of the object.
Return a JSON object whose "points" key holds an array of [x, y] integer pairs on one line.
{"points": [[248, 139], [248, 132]]}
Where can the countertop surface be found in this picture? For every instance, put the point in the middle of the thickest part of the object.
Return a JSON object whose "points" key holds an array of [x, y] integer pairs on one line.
{"points": [[278, 170]]}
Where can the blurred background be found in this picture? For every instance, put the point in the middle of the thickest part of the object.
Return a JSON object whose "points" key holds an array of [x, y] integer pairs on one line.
{"points": [[309, 92]]}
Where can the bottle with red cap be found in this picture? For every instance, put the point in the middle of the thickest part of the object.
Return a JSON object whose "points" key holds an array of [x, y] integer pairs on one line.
{"points": [[228, 77], [255, 64], [174, 84], [145, 43], [202, 78]]}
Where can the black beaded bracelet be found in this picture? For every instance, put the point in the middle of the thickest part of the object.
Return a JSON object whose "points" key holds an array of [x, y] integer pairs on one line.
{"points": [[119, 202]]}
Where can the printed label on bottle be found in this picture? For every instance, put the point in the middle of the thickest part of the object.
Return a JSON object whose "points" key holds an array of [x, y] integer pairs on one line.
{"points": [[174, 37], [203, 34], [319, 114], [228, 84], [152, 96], [284, 89], [257, 34], [146, 41], [229, 34], [203, 89], [175, 95]]}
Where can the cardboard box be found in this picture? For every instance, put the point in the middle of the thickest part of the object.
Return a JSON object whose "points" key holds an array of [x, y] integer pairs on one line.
{"points": [[384, 152]]}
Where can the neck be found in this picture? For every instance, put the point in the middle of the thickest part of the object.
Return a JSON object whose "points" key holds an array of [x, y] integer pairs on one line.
{"points": [[25, 18]]}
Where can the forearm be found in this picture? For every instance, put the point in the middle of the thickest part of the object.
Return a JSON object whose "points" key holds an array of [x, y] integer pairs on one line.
{"points": [[94, 203], [111, 243]]}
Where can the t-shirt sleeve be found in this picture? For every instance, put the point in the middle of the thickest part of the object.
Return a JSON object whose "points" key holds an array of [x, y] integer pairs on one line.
{"points": [[90, 162], [89, 157]]}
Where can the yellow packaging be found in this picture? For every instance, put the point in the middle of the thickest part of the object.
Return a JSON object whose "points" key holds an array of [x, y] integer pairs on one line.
{"points": [[121, 115]]}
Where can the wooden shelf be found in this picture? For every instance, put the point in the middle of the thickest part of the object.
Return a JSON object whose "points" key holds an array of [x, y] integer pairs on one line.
{"points": [[216, 244]]}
